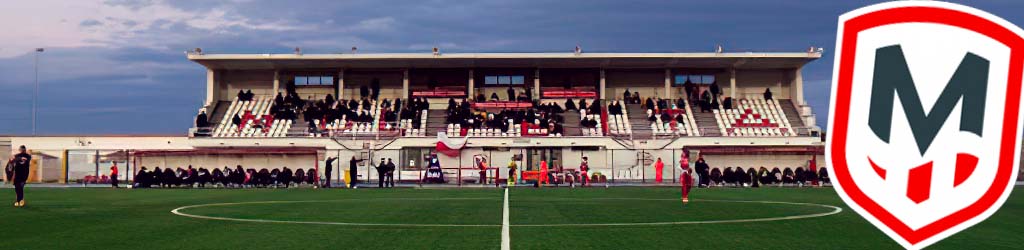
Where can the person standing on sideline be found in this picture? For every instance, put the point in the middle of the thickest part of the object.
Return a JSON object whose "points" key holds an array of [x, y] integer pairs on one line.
{"points": [[328, 168], [21, 166], [543, 178], [9, 171], [352, 171], [113, 175], [390, 176], [482, 166], [659, 167], [584, 167], [382, 170], [512, 172], [685, 181]]}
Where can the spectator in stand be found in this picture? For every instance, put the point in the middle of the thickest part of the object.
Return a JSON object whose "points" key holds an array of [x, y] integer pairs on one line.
{"points": [[636, 97], [662, 104], [705, 102], [375, 86], [570, 105], [278, 100], [364, 92], [511, 94], [202, 120], [625, 95], [494, 97], [691, 89], [241, 95], [767, 93], [715, 90], [237, 120], [249, 96]]}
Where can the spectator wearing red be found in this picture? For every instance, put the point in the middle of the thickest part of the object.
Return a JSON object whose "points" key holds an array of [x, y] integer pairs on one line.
{"points": [[113, 175], [659, 167]]}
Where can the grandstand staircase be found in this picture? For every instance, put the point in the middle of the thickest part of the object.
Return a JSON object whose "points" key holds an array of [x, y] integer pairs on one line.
{"points": [[638, 120], [571, 126], [794, 117], [706, 122], [218, 113], [435, 122]]}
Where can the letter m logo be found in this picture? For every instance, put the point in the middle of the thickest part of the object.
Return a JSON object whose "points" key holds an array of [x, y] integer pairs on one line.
{"points": [[892, 77]]}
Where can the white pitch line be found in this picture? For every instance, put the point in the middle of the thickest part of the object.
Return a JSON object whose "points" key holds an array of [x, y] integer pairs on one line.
{"points": [[506, 238]]}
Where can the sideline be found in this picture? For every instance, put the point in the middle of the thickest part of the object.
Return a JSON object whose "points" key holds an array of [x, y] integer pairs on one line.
{"points": [[506, 239]]}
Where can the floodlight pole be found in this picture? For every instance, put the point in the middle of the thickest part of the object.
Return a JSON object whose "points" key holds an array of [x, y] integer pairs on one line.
{"points": [[35, 95]]}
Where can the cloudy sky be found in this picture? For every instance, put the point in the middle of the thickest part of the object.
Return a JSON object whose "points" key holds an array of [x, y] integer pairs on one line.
{"points": [[118, 67]]}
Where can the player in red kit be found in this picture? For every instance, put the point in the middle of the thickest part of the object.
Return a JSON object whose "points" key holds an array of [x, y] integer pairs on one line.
{"points": [[685, 180]]}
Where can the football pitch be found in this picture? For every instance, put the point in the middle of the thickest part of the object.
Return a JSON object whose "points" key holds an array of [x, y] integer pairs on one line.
{"points": [[466, 218]]}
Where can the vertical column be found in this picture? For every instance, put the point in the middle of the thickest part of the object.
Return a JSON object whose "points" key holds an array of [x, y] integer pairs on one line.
{"points": [[601, 89], [798, 87], [668, 84], [341, 84], [277, 83], [536, 83], [732, 84], [471, 84], [405, 83], [211, 87]]}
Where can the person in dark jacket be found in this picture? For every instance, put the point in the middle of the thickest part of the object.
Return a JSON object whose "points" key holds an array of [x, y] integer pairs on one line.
{"points": [[328, 168], [382, 170], [353, 167], [202, 120], [21, 162], [702, 172], [389, 178], [364, 91]]}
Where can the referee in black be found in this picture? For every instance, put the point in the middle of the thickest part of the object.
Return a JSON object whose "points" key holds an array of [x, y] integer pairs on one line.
{"points": [[21, 163]]}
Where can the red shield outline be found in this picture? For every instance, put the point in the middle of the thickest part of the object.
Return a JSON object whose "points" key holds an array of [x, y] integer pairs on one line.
{"points": [[841, 107]]}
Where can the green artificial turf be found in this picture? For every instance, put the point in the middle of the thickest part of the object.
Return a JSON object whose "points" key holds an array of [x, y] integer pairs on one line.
{"points": [[90, 218]]}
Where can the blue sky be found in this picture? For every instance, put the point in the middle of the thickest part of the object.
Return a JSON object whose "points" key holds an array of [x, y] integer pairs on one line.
{"points": [[118, 67]]}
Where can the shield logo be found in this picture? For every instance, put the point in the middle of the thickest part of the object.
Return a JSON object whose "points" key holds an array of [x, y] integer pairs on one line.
{"points": [[925, 122]]}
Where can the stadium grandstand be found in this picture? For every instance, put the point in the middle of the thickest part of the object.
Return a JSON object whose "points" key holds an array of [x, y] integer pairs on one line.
{"points": [[621, 111]]}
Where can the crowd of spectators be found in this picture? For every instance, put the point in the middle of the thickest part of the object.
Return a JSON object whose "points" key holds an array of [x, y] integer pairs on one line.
{"points": [[226, 177], [512, 96], [547, 115], [755, 177]]}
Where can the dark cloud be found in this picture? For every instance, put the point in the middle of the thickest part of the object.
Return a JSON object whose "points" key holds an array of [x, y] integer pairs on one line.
{"points": [[90, 23], [143, 83]]}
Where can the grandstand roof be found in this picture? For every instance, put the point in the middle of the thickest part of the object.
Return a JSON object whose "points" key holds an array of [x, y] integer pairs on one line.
{"points": [[743, 60]]}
